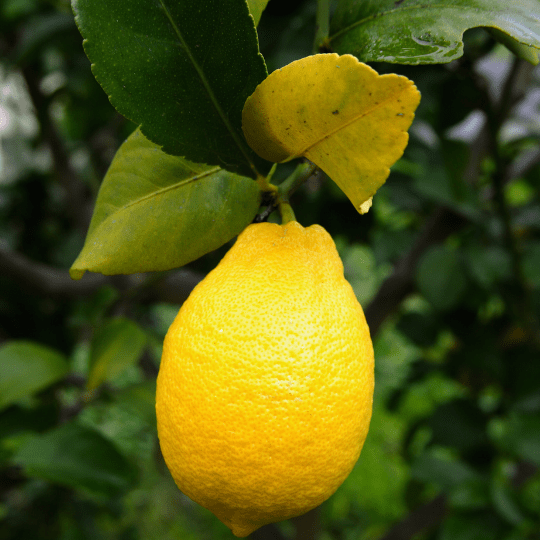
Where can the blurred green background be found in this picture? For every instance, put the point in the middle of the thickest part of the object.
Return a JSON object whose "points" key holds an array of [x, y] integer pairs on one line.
{"points": [[446, 265]]}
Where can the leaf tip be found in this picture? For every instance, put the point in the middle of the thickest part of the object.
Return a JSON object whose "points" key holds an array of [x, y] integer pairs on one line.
{"points": [[76, 273], [365, 206]]}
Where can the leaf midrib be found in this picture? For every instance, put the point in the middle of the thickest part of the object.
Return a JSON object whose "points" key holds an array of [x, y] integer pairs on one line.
{"points": [[239, 143], [164, 190], [352, 121]]}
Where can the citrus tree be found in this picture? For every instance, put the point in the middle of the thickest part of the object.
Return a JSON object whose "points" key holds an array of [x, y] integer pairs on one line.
{"points": [[443, 254]]}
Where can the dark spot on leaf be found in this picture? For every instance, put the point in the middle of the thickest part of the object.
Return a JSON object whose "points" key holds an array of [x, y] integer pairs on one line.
{"points": [[335, 112]]}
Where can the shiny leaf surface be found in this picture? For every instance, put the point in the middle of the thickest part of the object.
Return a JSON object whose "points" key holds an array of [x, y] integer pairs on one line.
{"points": [[429, 31], [180, 70]]}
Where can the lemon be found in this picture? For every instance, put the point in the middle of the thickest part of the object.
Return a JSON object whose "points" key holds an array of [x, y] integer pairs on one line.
{"points": [[265, 388]]}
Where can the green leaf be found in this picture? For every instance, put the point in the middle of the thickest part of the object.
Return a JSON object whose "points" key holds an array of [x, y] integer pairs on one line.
{"points": [[488, 265], [139, 399], [445, 473], [180, 70], [78, 457], [521, 437], [429, 31], [440, 278], [338, 113], [116, 345], [157, 212], [28, 368], [521, 50], [471, 494], [505, 500], [256, 7]]}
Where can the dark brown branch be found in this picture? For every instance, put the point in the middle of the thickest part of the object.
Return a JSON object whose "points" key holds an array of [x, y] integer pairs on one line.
{"points": [[400, 283], [428, 515], [519, 290], [74, 188], [46, 281], [444, 221], [433, 512]]}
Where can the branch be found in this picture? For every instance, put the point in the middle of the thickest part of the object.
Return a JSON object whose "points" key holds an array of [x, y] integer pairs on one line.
{"points": [[74, 188], [428, 515], [519, 291], [442, 223], [45, 280], [445, 221]]}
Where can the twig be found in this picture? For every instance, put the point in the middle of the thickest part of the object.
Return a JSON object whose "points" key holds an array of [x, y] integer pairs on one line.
{"points": [[47, 281], [496, 115], [428, 515], [400, 283], [445, 221], [74, 188]]}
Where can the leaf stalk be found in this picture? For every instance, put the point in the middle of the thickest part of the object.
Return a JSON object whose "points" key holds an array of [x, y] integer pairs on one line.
{"points": [[286, 212], [302, 172], [322, 25]]}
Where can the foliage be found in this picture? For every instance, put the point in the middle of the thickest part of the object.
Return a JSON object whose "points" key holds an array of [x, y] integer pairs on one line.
{"points": [[446, 263]]}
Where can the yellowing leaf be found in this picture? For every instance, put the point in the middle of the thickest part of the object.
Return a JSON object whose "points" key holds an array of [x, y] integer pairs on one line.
{"points": [[337, 112]]}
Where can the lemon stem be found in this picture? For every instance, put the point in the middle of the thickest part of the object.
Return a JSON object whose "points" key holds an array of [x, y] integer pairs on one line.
{"points": [[264, 181], [286, 212], [302, 172], [322, 25]]}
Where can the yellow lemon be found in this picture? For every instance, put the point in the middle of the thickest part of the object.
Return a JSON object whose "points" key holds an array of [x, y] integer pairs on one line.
{"points": [[265, 389]]}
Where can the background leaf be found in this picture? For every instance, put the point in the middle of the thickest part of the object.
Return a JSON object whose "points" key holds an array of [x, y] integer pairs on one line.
{"points": [[116, 345], [181, 70], [157, 212], [521, 435], [140, 400], [79, 457], [427, 31], [338, 113], [27, 368], [440, 278]]}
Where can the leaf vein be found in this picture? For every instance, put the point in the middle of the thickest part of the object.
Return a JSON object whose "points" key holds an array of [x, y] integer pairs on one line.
{"points": [[169, 188]]}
